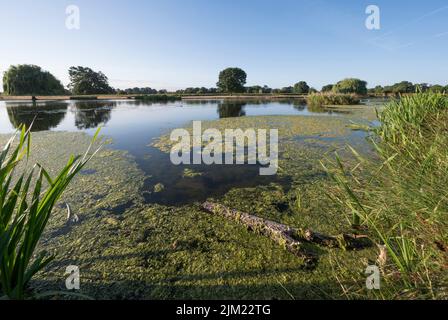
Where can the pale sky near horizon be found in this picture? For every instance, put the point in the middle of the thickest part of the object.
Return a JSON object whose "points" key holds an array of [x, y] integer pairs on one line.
{"points": [[185, 43]]}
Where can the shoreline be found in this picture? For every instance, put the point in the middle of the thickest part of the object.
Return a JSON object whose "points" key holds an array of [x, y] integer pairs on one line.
{"points": [[182, 97], [133, 97]]}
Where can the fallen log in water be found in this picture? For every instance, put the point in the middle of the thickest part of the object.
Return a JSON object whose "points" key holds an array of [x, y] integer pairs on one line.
{"points": [[290, 238]]}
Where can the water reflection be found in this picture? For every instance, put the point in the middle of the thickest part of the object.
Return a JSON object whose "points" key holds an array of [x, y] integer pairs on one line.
{"points": [[44, 117], [88, 115], [299, 105], [213, 180], [327, 110], [134, 124], [231, 109]]}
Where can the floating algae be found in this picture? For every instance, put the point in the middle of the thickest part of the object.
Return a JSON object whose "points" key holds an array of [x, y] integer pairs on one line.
{"points": [[190, 173], [159, 187], [152, 251], [288, 126]]}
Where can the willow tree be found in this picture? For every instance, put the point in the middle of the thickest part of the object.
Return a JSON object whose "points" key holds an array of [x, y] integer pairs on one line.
{"points": [[351, 85], [26, 79]]}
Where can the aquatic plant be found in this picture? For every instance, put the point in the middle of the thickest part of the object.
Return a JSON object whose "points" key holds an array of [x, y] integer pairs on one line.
{"points": [[182, 241], [325, 99], [25, 208], [400, 195]]}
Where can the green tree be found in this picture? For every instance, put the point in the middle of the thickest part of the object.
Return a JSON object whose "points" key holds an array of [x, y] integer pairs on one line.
{"points": [[423, 87], [232, 80], [254, 89], [387, 89], [437, 88], [403, 87], [86, 81], [28, 79], [287, 89], [327, 88], [378, 90], [301, 88], [266, 89], [351, 85]]}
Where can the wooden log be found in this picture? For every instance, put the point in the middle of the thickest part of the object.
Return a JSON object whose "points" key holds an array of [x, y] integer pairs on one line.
{"points": [[290, 238], [280, 233]]}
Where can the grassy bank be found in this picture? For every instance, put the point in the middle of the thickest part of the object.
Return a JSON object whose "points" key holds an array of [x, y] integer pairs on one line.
{"points": [[155, 97], [400, 197]]}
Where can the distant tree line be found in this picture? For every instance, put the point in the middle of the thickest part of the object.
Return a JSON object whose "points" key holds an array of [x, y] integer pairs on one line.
{"points": [[32, 80], [136, 90], [197, 90], [408, 87]]}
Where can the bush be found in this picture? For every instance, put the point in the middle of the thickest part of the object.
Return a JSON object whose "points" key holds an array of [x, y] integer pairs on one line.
{"points": [[320, 99]]}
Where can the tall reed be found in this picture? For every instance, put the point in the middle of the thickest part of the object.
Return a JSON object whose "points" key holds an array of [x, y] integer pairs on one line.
{"points": [[25, 208], [326, 99], [400, 194]]}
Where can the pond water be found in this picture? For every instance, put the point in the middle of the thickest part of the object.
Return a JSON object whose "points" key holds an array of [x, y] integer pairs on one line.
{"points": [[134, 124]]}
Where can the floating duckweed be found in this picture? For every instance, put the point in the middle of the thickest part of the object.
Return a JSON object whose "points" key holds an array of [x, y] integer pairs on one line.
{"points": [[161, 252], [159, 188], [189, 173]]}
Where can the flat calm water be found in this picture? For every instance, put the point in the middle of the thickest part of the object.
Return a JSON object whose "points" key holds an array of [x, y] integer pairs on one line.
{"points": [[133, 125]]}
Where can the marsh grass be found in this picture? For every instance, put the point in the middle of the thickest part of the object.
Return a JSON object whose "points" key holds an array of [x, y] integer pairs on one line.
{"points": [[400, 196], [25, 208], [317, 100]]}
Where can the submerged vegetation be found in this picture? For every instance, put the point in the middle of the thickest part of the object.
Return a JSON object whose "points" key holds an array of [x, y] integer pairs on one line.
{"points": [[400, 195]]}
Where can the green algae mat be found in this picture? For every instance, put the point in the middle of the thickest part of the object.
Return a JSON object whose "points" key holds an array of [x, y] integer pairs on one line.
{"points": [[126, 248]]}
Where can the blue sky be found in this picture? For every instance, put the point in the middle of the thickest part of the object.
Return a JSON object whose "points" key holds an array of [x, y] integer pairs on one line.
{"points": [[178, 43]]}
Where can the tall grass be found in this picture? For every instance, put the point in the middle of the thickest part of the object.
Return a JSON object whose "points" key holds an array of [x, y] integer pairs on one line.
{"points": [[25, 208], [326, 99], [401, 194]]}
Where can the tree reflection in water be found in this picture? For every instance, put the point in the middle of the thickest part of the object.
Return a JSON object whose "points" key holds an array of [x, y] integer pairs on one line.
{"points": [[43, 116], [231, 109], [90, 115]]}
